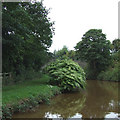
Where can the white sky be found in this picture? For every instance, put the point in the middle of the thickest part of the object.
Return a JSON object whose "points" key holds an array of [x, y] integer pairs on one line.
{"points": [[75, 17]]}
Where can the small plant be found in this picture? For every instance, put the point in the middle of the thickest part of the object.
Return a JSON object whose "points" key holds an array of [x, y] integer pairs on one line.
{"points": [[66, 74]]}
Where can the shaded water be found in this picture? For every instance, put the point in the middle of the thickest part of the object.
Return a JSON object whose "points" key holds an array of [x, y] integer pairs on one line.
{"points": [[99, 100]]}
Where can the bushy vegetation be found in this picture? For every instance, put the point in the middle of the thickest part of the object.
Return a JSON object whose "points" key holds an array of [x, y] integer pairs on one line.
{"points": [[66, 74], [112, 73]]}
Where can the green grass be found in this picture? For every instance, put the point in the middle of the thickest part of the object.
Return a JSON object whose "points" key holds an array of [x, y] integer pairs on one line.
{"points": [[15, 93]]}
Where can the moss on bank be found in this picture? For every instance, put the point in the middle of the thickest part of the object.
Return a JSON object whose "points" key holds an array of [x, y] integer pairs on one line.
{"points": [[27, 95]]}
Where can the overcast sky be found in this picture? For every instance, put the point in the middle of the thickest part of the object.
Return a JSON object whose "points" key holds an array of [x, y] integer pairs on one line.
{"points": [[75, 17]]}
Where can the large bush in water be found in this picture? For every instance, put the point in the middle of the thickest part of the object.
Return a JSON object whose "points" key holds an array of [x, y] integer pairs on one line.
{"points": [[66, 74]]}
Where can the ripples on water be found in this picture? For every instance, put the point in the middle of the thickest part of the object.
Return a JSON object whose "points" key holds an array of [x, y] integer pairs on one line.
{"points": [[99, 100]]}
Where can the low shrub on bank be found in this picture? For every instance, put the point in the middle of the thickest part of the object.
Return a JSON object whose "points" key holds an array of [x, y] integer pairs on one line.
{"points": [[111, 74], [66, 74]]}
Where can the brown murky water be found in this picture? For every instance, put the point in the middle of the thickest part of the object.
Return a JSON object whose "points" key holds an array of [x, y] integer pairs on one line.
{"points": [[99, 100]]}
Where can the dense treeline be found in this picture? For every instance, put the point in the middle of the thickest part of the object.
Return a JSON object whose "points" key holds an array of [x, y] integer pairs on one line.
{"points": [[112, 72], [96, 55], [102, 56], [27, 34]]}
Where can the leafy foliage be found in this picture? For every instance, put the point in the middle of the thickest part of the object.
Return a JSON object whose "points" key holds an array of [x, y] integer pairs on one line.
{"points": [[94, 49], [111, 74], [66, 74], [27, 34]]}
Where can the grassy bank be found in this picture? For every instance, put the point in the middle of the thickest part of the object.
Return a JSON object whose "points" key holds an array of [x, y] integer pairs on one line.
{"points": [[25, 96]]}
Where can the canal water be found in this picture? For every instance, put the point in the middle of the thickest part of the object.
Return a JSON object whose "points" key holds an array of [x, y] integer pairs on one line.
{"points": [[99, 100]]}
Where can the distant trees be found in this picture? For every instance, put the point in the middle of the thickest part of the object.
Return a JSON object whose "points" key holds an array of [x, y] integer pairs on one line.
{"points": [[65, 53], [27, 34], [61, 53], [95, 50]]}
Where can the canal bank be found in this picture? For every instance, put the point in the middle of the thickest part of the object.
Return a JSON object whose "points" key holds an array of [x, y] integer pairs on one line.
{"points": [[99, 100], [27, 96]]}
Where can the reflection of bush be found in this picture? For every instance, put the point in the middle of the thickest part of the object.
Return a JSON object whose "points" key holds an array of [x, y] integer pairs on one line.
{"points": [[67, 106]]}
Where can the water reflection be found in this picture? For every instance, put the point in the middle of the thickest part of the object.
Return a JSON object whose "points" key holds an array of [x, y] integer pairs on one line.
{"points": [[111, 115], [49, 115], [99, 100], [68, 105]]}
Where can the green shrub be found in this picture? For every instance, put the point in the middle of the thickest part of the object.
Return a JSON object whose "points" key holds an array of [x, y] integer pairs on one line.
{"points": [[111, 74], [66, 74]]}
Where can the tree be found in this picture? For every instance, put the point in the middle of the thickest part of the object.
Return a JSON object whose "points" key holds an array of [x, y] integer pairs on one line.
{"points": [[27, 34], [95, 50]]}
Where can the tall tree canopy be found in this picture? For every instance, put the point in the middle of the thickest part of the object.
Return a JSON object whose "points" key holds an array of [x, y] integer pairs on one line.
{"points": [[27, 34], [94, 49]]}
